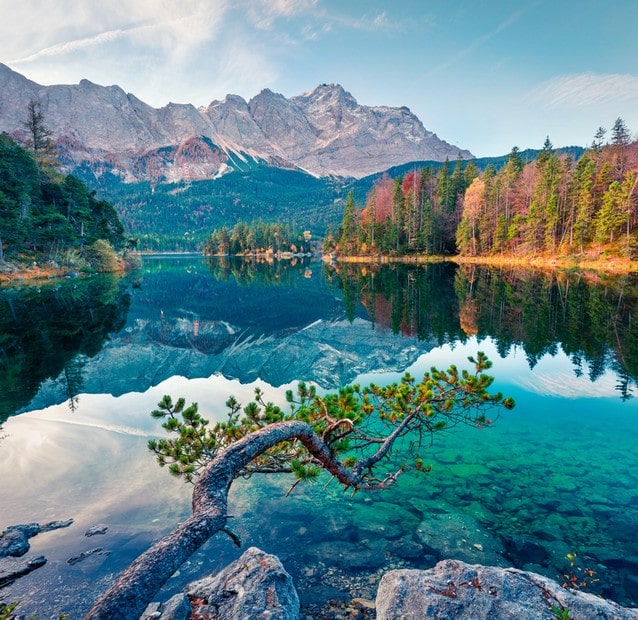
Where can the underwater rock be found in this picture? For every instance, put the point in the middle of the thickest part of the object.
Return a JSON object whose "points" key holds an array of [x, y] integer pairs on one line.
{"points": [[12, 568], [521, 550], [347, 555], [319, 594], [454, 589], [461, 537], [409, 549]]}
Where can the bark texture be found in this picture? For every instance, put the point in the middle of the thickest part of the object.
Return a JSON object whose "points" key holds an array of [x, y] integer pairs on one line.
{"points": [[128, 597]]}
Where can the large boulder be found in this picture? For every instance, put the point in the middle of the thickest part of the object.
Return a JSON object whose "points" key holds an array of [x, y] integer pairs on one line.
{"points": [[255, 586], [454, 589]]}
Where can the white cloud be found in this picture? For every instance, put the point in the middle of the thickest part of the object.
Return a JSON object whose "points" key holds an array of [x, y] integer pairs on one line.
{"points": [[42, 28], [264, 13], [69, 47], [586, 89]]}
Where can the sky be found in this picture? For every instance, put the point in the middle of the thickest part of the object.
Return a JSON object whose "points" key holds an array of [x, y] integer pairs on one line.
{"points": [[484, 75]]}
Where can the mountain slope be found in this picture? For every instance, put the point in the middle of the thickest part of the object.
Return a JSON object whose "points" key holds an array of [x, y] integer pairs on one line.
{"points": [[324, 132]]}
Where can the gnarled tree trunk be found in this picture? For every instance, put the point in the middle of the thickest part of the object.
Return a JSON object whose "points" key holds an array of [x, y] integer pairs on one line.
{"points": [[128, 597]]}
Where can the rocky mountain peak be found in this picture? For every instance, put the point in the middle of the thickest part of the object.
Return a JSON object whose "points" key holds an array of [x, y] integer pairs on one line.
{"points": [[327, 95], [324, 131]]}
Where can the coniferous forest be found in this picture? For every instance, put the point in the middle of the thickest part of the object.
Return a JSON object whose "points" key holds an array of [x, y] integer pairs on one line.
{"points": [[553, 205], [47, 215]]}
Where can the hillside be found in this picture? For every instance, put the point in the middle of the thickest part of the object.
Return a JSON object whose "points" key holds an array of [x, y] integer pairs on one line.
{"points": [[45, 216]]}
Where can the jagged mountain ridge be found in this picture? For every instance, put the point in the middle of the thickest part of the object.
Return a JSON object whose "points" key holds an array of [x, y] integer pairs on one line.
{"points": [[324, 132]]}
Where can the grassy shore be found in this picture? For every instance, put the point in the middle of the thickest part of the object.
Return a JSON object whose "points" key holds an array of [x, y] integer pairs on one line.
{"points": [[13, 272], [600, 262]]}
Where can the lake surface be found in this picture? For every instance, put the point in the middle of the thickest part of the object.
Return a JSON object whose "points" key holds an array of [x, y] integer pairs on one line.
{"points": [[83, 362]]}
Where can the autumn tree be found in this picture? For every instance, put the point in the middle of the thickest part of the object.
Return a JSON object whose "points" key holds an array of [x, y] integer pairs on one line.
{"points": [[466, 239], [365, 438]]}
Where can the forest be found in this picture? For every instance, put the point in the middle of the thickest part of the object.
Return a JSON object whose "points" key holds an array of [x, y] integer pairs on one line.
{"points": [[258, 238], [553, 205], [44, 214]]}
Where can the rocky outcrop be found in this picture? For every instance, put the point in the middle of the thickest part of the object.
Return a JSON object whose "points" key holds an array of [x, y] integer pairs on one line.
{"points": [[257, 586], [14, 541], [454, 589], [325, 132], [14, 545], [254, 586]]}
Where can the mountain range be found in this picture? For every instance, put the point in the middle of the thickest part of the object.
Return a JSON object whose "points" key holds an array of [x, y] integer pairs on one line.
{"points": [[325, 132]]}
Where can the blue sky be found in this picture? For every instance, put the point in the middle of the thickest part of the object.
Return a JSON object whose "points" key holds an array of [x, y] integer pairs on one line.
{"points": [[485, 75]]}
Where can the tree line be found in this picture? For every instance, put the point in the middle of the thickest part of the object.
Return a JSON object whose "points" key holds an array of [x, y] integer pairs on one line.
{"points": [[44, 213], [257, 238], [551, 205]]}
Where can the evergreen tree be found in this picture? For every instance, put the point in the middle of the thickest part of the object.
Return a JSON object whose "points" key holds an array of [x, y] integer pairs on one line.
{"points": [[611, 217], [348, 226], [38, 139]]}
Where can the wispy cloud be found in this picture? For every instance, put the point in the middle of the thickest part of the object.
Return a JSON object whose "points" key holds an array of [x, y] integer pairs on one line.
{"points": [[474, 45], [69, 47], [586, 89], [264, 13], [151, 25]]}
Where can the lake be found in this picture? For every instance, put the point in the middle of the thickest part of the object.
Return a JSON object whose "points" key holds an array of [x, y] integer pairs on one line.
{"points": [[84, 361]]}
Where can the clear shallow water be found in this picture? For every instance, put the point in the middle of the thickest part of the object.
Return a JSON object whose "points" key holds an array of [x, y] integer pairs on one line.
{"points": [[557, 475]]}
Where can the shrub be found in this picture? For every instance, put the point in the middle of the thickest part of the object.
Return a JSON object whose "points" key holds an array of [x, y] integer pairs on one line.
{"points": [[101, 257]]}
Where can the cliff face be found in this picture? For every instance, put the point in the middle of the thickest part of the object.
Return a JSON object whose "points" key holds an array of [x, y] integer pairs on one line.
{"points": [[325, 132]]}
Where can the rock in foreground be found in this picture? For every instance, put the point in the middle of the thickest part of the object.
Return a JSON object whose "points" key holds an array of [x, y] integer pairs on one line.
{"points": [[254, 586], [453, 589]]}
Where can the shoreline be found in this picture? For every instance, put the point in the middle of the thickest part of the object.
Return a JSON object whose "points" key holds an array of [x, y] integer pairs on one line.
{"points": [[611, 265]]}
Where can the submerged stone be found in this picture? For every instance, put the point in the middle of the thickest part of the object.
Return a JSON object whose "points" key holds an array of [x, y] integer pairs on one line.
{"points": [[347, 555], [12, 568], [461, 537]]}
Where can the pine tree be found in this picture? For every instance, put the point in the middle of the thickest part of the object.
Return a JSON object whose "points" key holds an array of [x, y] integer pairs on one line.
{"points": [[38, 139], [348, 226]]}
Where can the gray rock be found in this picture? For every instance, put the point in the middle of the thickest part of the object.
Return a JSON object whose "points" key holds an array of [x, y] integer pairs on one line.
{"points": [[13, 542], [176, 608], [254, 586], [454, 589], [11, 568], [96, 530]]}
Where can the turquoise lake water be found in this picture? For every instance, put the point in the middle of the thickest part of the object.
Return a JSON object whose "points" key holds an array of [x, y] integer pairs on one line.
{"points": [[557, 475]]}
